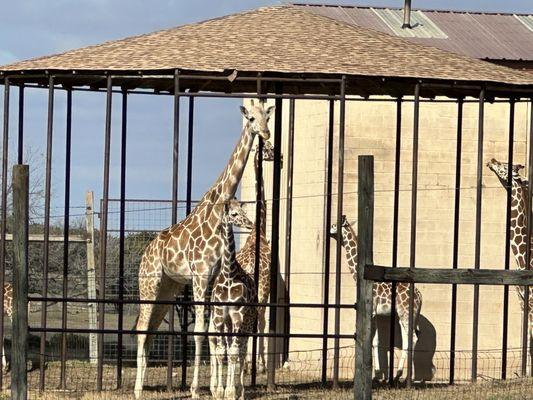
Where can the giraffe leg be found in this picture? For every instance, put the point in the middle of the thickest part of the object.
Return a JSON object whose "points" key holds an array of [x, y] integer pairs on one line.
{"points": [[200, 288], [243, 348], [261, 340], [404, 327], [375, 349], [213, 358], [233, 359]]}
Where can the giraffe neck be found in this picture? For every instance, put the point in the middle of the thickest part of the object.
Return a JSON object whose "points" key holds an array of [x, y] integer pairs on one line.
{"points": [[259, 186], [228, 263], [349, 242], [518, 226], [228, 181]]}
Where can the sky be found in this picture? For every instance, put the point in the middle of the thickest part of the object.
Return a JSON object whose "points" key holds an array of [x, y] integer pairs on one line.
{"points": [[32, 28]]}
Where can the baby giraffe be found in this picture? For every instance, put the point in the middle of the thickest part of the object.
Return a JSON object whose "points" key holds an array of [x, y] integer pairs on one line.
{"points": [[382, 295], [232, 285]]}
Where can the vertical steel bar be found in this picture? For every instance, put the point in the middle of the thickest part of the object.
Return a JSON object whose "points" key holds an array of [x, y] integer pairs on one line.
{"points": [[456, 215], [20, 147], [258, 223], [327, 242], [103, 233], [19, 353], [477, 251], [188, 208], [274, 243], [395, 218], [288, 229], [5, 155], [412, 250], [174, 216], [47, 196], [510, 156], [122, 227], [66, 230], [257, 250], [338, 244], [525, 321]]}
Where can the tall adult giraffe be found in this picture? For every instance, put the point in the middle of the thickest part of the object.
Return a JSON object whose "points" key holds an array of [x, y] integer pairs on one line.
{"points": [[518, 226], [382, 299], [246, 256], [188, 251]]}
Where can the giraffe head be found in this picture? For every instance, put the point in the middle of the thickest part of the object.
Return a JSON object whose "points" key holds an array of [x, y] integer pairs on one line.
{"points": [[502, 171], [257, 118], [268, 151], [344, 224], [235, 214]]}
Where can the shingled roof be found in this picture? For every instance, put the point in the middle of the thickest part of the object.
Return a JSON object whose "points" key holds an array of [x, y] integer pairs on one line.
{"points": [[281, 39]]}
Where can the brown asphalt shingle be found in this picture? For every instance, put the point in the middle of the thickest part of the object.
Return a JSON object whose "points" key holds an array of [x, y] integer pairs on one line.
{"points": [[276, 39]]}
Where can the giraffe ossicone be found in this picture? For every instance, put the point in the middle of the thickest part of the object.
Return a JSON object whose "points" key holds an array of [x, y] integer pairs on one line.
{"points": [[188, 251], [382, 300]]}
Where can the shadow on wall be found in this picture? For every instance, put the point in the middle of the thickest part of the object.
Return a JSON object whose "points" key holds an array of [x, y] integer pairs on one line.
{"points": [[424, 369]]}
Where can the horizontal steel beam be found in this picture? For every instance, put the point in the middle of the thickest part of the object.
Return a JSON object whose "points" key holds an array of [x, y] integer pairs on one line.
{"points": [[449, 276], [35, 237]]}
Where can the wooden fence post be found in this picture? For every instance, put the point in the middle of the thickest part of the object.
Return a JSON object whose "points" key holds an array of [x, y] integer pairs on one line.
{"points": [[91, 275], [365, 233], [19, 379]]}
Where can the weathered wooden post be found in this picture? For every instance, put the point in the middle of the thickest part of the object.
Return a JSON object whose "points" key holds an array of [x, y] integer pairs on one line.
{"points": [[91, 275], [19, 380], [365, 233]]}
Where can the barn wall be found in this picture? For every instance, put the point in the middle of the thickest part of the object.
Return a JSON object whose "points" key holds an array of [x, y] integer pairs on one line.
{"points": [[370, 129]]}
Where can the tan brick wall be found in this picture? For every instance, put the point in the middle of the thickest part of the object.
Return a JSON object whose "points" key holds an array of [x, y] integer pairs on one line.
{"points": [[370, 129]]}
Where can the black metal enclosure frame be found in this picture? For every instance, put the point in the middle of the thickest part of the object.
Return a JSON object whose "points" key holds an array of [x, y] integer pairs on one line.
{"points": [[183, 84]]}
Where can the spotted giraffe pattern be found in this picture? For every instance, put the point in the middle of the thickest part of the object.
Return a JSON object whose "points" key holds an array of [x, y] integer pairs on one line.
{"points": [[188, 251], [382, 299], [8, 310], [234, 285], [518, 225], [246, 256]]}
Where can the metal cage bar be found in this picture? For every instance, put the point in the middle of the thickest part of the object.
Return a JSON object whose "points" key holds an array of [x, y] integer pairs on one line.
{"points": [[526, 328], [477, 249], [5, 155], [46, 233], [20, 145], [338, 252], [122, 226], [455, 255], [510, 157], [174, 215], [103, 232], [188, 208], [288, 225], [412, 249], [274, 259], [66, 231], [327, 243], [395, 219]]}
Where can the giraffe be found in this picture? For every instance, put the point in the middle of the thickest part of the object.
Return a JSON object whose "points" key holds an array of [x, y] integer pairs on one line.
{"points": [[188, 251], [518, 226], [246, 256], [8, 310], [382, 294], [234, 285]]}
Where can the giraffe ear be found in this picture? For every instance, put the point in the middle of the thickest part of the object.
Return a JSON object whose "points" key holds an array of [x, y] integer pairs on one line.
{"points": [[244, 112], [269, 111]]}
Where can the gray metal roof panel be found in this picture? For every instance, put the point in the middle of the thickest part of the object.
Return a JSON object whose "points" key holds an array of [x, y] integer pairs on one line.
{"points": [[494, 36]]}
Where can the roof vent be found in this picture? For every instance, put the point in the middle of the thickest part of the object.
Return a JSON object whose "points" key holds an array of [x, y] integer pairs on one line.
{"points": [[407, 15]]}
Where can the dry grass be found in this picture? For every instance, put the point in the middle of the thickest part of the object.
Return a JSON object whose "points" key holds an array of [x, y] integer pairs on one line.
{"points": [[81, 378]]}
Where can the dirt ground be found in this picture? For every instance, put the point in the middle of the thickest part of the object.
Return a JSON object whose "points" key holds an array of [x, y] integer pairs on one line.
{"points": [[81, 378]]}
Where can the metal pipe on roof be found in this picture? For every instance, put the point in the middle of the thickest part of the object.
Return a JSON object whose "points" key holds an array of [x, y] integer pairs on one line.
{"points": [[407, 15]]}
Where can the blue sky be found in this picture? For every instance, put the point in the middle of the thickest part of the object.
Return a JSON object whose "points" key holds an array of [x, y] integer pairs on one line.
{"points": [[32, 28]]}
